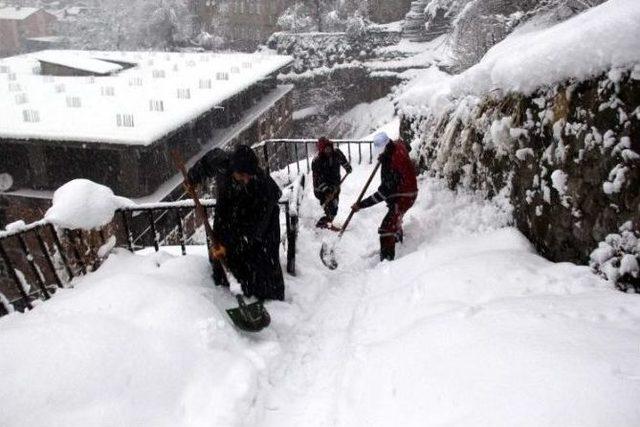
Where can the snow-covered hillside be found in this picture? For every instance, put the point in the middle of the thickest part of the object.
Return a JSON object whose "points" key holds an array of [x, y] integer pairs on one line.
{"points": [[468, 327]]}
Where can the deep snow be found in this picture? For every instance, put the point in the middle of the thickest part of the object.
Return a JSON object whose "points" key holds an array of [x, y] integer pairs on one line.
{"points": [[598, 40], [467, 327]]}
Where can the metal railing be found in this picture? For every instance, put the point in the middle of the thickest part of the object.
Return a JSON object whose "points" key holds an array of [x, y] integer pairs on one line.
{"points": [[40, 258], [280, 154]]}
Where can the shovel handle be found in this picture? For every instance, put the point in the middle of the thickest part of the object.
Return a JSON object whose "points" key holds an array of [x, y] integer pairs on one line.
{"points": [[364, 190]]}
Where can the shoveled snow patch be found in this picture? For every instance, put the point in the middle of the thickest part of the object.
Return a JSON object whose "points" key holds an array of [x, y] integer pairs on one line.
{"points": [[467, 327], [83, 204]]}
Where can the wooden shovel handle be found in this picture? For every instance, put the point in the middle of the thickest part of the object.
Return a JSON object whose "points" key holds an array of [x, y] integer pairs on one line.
{"points": [[364, 190]]}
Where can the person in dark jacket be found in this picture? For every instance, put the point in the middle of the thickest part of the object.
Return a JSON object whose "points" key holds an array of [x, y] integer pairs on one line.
{"points": [[326, 179], [247, 227], [398, 188], [214, 165]]}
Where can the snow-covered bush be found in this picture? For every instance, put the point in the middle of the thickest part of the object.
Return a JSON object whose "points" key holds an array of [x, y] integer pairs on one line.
{"points": [[295, 19], [616, 258], [313, 51], [131, 24]]}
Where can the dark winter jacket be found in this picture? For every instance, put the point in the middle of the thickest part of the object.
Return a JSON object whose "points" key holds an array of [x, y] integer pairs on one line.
{"points": [[248, 214], [326, 171], [397, 176]]}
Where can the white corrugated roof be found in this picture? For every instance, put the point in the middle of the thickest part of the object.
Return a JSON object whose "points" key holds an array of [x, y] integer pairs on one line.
{"points": [[17, 13], [78, 62], [136, 106]]}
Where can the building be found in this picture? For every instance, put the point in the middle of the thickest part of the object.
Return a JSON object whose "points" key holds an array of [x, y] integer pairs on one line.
{"points": [[244, 23], [385, 11], [18, 24], [115, 117]]}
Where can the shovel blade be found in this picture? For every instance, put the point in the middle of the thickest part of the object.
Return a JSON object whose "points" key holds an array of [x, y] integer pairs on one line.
{"points": [[328, 256], [251, 317]]}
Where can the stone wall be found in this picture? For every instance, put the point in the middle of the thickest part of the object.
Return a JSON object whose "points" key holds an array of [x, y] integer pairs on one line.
{"points": [[566, 157], [315, 50]]}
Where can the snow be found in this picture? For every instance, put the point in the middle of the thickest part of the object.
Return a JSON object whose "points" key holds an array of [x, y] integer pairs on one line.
{"points": [[162, 356], [15, 226], [417, 54], [593, 42], [559, 181], [305, 113], [522, 153], [467, 327], [17, 13], [617, 178], [78, 62], [117, 109], [363, 119], [83, 204]]}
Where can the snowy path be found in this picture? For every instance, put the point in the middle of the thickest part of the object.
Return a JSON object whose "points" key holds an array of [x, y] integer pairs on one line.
{"points": [[467, 327]]}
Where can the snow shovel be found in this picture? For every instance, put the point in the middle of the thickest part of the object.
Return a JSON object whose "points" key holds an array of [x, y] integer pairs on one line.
{"points": [[328, 251], [247, 317]]}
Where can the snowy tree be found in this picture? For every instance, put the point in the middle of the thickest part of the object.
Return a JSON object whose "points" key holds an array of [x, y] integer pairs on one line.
{"points": [[132, 24], [321, 15]]}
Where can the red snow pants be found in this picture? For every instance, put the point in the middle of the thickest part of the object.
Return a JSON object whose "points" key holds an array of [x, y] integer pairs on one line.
{"points": [[391, 228]]}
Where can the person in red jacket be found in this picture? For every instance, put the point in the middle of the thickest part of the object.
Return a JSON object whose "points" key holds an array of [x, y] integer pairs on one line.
{"points": [[398, 188]]}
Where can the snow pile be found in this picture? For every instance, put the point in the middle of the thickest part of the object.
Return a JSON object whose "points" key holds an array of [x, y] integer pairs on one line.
{"points": [[586, 45], [83, 204], [141, 342]]}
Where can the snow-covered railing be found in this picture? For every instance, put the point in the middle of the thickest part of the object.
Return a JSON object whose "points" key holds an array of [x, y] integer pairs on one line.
{"points": [[39, 258], [291, 200], [278, 154]]}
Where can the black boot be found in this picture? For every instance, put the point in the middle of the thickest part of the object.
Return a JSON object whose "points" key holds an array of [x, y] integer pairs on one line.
{"points": [[387, 248]]}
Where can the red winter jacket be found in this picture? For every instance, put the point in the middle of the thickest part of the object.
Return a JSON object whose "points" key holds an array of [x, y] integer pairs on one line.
{"points": [[397, 176]]}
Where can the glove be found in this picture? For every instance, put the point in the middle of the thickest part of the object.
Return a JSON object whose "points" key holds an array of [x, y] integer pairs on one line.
{"points": [[218, 252]]}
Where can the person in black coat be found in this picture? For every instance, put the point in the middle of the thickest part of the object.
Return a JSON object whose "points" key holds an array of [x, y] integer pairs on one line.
{"points": [[247, 227], [326, 179], [214, 165]]}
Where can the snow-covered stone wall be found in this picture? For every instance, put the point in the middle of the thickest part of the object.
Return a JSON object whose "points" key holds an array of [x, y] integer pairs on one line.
{"points": [[317, 50], [567, 156]]}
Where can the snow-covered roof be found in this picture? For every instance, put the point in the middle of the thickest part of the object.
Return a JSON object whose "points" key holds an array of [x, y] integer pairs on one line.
{"points": [[17, 13], [46, 39], [78, 62], [136, 106]]}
